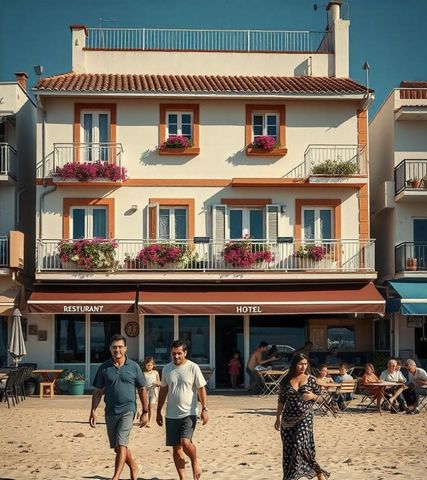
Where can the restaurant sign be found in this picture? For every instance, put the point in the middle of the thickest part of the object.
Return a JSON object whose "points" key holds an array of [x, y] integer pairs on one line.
{"points": [[83, 308]]}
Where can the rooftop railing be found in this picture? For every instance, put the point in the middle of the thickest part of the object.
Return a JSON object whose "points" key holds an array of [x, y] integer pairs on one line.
{"points": [[315, 256], [410, 175], [411, 256], [8, 160], [207, 40], [64, 153]]}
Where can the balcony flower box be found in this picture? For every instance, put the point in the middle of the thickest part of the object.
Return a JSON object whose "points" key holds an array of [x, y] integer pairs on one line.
{"points": [[88, 254], [165, 255], [91, 171], [338, 168], [245, 254], [312, 256]]}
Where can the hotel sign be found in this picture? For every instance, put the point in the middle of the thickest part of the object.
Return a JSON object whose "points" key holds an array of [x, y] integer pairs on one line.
{"points": [[248, 309]]}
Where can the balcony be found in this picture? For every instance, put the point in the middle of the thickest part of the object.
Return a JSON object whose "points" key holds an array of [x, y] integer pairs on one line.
{"points": [[8, 163], [64, 153], [4, 251], [334, 163], [411, 259], [337, 259], [156, 39], [410, 180]]}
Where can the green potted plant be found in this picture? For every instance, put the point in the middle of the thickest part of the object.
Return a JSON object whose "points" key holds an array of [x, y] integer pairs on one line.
{"points": [[339, 168], [75, 382]]}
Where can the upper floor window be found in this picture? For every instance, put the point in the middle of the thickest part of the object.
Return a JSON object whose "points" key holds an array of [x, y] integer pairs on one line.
{"points": [[265, 124], [88, 222], [180, 123], [246, 222], [95, 135], [317, 223]]}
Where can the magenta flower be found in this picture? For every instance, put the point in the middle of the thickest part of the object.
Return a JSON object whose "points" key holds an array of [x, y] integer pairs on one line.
{"points": [[87, 171], [176, 141], [264, 142], [243, 254], [163, 253]]}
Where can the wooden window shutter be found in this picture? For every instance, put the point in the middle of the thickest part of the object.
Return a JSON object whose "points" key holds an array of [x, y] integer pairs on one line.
{"points": [[272, 222], [153, 221], [219, 215]]}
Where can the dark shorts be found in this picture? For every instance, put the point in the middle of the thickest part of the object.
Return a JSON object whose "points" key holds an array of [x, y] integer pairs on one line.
{"points": [[177, 428], [119, 428]]}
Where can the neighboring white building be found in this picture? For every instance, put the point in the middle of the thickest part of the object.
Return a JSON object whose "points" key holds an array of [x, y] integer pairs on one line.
{"points": [[17, 191], [129, 91], [398, 176]]}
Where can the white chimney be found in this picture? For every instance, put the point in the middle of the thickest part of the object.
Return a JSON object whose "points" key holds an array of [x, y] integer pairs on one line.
{"points": [[339, 37], [78, 42]]}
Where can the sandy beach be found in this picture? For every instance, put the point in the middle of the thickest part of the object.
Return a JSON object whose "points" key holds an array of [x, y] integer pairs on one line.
{"points": [[51, 439]]}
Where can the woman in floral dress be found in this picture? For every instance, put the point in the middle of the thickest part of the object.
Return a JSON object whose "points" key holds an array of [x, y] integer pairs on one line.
{"points": [[294, 419]]}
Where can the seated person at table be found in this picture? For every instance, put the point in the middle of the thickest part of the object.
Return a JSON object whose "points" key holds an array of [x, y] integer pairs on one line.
{"points": [[370, 377], [323, 377], [255, 360], [332, 358], [417, 378], [343, 376], [395, 376]]}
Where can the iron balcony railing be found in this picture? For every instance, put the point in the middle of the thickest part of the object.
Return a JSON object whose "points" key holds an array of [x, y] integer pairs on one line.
{"points": [[207, 40], [64, 153], [410, 175], [411, 256], [340, 160], [8, 160], [4, 251], [314, 255]]}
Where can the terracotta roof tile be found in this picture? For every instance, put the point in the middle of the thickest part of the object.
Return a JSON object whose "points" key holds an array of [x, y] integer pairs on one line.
{"points": [[100, 82]]}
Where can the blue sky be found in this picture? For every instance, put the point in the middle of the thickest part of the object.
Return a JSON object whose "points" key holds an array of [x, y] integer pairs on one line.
{"points": [[389, 34]]}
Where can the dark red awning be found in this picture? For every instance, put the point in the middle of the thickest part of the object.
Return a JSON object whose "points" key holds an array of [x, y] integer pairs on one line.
{"points": [[83, 300], [269, 300]]}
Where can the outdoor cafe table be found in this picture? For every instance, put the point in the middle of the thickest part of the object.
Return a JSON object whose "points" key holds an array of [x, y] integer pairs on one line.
{"points": [[383, 385], [49, 376], [272, 379]]}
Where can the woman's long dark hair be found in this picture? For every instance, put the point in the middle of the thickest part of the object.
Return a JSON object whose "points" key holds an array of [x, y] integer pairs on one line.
{"points": [[293, 367]]}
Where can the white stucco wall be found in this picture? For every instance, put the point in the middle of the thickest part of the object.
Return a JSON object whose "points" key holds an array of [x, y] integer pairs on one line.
{"points": [[222, 136], [41, 352]]}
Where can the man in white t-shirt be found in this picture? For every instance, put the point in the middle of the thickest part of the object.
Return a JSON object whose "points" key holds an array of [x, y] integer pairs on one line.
{"points": [[392, 374], [417, 382], [182, 381]]}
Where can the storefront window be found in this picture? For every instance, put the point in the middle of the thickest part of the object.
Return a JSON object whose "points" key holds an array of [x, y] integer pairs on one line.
{"points": [[382, 335], [158, 334], [102, 328], [3, 341], [342, 338], [287, 332], [194, 331], [70, 339]]}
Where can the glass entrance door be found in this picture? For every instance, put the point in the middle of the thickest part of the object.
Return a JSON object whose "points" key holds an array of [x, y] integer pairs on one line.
{"points": [[228, 339], [102, 328]]}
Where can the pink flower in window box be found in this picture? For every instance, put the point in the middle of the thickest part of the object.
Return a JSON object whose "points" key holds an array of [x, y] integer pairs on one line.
{"points": [[176, 141], [264, 142]]}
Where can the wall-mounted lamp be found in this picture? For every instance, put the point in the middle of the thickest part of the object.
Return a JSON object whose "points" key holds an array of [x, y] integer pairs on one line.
{"points": [[283, 208], [201, 239], [134, 207]]}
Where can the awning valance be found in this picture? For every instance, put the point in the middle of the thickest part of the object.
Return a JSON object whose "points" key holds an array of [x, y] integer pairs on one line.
{"points": [[82, 300], [413, 297], [262, 300]]}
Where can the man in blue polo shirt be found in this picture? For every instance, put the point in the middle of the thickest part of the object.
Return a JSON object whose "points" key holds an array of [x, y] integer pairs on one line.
{"points": [[117, 379]]}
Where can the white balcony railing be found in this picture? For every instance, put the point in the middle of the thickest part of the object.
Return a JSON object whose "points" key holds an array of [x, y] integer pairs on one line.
{"points": [[8, 159], [207, 40], [336, 256], [341, 160], [4, 251], [64, 153]]}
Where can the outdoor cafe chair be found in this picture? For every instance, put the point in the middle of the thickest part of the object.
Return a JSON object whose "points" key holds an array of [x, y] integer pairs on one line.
{"points": [[422, 398], [324, 403], [347, 389], [8, 390]]}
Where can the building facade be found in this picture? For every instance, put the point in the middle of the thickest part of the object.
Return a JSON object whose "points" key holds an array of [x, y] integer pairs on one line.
{"points": [[398, 152], [243, 214], [17, 189]]}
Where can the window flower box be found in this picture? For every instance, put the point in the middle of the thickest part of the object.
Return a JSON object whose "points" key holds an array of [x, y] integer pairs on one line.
{"points": [[165, 255], [178, 145], [265, 145], [88, 254], [91, 171], [245, 254], [312, 256], [339, 168]]}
